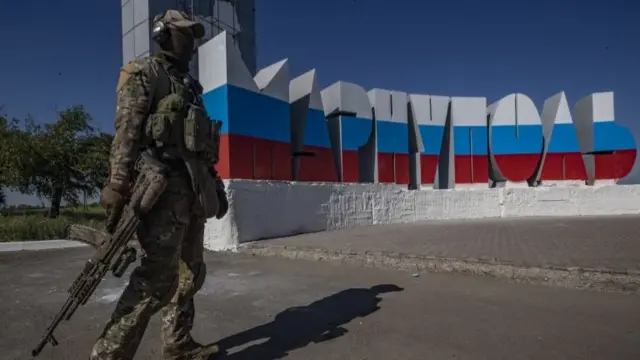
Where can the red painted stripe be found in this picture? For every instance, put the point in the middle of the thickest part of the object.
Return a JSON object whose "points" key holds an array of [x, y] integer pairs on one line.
{"points": [[243, 157]]}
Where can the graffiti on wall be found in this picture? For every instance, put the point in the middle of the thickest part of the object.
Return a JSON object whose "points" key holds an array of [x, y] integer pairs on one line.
{"points": [[280, 128]]}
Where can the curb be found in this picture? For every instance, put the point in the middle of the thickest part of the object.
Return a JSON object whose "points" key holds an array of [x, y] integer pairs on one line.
{"points": [[39, 245], [624, 281]]}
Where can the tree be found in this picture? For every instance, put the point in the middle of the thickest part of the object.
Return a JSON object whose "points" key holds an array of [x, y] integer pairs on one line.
{"points": [[58, 161], [12, 154], [95, 163], [3, 128]]}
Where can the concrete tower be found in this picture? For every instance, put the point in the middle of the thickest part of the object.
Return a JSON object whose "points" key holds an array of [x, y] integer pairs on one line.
{"points": [[237, 17]]}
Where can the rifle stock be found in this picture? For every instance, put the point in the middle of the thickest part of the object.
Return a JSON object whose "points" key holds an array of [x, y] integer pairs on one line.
{"points": [[113, 250], [88, 235]]}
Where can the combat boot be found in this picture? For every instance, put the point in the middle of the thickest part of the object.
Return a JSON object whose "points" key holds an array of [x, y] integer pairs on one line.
{"points": [[192, 350]]}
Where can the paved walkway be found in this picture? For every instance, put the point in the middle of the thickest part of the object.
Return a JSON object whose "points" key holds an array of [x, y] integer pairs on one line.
{"points": [[604, 245], [268, 308]]}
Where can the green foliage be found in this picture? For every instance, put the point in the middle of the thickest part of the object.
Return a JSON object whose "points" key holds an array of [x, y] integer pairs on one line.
{"points": [[57, 161], [35, 224], [13, 158]]}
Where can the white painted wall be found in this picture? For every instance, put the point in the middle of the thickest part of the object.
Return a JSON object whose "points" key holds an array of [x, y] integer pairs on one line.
{"points": [[267, 209]]}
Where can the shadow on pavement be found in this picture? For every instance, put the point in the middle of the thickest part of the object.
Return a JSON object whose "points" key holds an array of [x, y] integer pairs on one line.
{"points": [[296, 327]]}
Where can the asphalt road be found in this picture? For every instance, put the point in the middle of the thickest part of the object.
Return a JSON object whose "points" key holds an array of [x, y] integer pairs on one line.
{"points": [[269, 308]]}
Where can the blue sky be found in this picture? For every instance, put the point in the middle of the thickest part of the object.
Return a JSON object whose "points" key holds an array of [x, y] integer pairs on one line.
{"points": [[65, 52]]}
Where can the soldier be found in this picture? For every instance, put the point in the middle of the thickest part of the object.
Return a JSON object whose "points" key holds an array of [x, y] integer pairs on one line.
{"points": [[160, 110]]}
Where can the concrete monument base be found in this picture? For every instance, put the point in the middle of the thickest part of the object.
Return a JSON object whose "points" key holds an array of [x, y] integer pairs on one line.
{"points": [[261, 209]]}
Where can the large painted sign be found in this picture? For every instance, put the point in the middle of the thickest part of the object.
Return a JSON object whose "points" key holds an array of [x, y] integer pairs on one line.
{"points": [[280, 128]]}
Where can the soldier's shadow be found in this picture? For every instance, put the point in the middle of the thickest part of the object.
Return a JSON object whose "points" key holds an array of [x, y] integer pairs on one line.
{"points": [[297, 327]]}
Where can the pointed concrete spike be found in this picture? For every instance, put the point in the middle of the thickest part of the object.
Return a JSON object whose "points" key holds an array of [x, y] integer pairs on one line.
{"points": [[306, 85], [331, 98], [220, 63], [563, 116], [274, 80], [266, 75], [555, 110]]}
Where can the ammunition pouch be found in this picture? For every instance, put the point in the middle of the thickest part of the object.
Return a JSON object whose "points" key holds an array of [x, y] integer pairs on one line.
{"points": [[165, 125], [161, 128], [204, 186], [151, 182], [201, 135], [216, 133], [179, 123]]}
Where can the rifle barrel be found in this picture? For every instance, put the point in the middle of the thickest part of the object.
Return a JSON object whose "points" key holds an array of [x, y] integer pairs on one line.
{"points": [[67, 310]]}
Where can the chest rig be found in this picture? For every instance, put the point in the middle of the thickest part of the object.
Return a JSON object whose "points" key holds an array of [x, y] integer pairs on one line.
{"points": [[179, 126]]}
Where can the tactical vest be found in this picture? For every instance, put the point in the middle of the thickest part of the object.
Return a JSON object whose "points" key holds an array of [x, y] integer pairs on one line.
{"points": [[178, 128], [179, 123]]}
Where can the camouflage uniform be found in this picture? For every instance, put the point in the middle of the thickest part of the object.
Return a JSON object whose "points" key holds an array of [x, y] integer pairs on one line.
{"points": [[171, 235]]}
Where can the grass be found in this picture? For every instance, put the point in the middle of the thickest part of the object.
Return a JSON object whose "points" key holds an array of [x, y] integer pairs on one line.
{"points": [[33, 224]]}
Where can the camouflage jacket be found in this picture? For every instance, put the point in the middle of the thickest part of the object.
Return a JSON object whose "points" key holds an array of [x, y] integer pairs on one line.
{"points": [[142, 84]]}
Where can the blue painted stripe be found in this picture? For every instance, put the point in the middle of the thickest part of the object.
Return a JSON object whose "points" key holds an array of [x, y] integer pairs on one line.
{"points": [[216, 103], [268, 118], [262, 116], [612, 136], [392, 137], [355, 132], [608, 136], [470, 140], [316, 132], [525, 139]]}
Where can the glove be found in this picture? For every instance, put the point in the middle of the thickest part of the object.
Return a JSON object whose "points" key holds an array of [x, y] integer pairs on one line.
{"points": [[112, 196], [223, 203]]}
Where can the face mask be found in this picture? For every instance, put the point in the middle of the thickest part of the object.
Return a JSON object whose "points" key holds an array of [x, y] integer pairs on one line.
{"points": [[182, 43]]}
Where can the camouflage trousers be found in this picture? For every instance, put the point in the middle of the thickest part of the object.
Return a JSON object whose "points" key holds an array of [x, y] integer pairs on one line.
{"points": [[170, 274]]}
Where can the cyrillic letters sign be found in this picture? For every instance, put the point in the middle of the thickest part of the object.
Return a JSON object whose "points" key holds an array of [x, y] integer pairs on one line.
{"points": [[280, 128]]}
